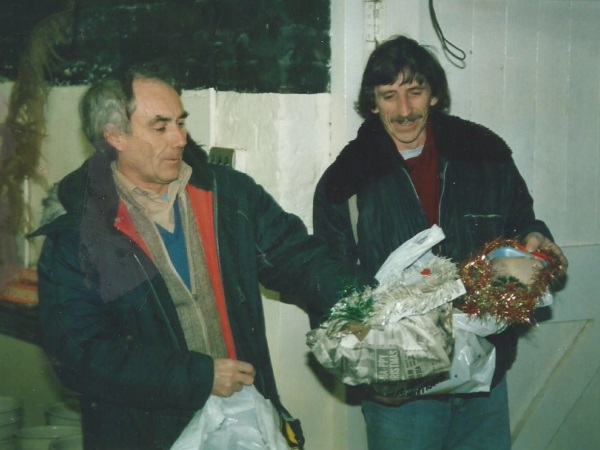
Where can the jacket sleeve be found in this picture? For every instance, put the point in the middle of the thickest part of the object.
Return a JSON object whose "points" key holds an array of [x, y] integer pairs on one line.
{"points": [[332, 223], [100, 351], [521, 219], [293, 262]]}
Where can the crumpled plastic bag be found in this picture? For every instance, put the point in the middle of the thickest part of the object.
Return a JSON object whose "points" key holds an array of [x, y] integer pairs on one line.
{"points": [[243, 421], [408, 253], [474, 357]]}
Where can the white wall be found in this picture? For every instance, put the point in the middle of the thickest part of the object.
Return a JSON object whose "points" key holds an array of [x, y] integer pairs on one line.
{"points": [[532, 75]]}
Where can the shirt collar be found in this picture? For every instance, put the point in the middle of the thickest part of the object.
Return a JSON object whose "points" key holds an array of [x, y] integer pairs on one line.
{"points": [[157, 207]]}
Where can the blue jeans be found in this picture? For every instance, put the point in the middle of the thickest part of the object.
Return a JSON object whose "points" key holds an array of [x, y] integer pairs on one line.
{"points": [[466, 422]]}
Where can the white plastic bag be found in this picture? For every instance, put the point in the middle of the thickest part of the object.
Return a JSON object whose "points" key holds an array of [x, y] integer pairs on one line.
{"points": [[474, 358], [244, 421], [409, 252]]}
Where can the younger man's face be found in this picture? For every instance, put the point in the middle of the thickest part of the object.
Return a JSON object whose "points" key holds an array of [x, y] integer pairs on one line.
{"points": [[403, 110]]}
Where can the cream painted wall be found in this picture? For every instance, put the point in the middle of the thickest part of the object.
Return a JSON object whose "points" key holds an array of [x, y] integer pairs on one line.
{"points": [[532, 75]]}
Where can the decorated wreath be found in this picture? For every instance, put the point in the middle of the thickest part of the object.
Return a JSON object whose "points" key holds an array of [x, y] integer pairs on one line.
{"points": [[508, 298]]}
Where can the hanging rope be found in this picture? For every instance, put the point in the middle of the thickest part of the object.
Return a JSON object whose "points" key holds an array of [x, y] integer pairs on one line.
{"points": [[449, 48]]}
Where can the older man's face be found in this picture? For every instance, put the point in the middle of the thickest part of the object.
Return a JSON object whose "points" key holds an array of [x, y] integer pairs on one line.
{"points": [[151, 155]]}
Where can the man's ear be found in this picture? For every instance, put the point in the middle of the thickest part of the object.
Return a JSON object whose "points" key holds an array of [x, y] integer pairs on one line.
{"points": [[115, 137], [433, 101]]}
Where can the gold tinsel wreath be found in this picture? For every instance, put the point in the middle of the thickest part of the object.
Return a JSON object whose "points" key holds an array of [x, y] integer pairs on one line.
{"points": [[506, 299]]}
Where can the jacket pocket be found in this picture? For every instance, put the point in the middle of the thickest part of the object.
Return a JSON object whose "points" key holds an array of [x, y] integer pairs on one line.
{"points": [[481, 228]]}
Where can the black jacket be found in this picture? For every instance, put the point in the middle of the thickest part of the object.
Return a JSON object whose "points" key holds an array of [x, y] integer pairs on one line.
{"points": [[483, 198], [109, 325]]}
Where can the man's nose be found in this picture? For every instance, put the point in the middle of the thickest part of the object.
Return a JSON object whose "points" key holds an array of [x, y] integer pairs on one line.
{"points": [[180, 137], [404, 108]]}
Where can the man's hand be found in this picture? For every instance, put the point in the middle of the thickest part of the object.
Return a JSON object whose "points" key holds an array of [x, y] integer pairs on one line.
{"points": [[523, 269], [230, 376], [358, 329], [537, 241]]}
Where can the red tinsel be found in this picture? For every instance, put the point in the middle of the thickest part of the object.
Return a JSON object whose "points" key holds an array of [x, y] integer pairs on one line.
{"points": [[506, 300]]}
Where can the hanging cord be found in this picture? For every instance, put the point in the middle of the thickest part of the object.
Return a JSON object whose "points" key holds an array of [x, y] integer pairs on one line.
{"points": [[448, 47]]}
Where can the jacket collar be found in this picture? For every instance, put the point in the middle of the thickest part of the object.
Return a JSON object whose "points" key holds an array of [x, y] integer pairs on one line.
{"points": [[89, 195], [373, 154], [100, 194], [202, 175]]}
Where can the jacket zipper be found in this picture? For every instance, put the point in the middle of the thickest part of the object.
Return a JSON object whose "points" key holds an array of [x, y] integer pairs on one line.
{"points": [[216, 227], [413, 185], [258, 380], [443, 176]]}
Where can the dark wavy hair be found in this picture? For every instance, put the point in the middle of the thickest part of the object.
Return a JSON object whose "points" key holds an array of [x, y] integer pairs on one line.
{"points": [[401, 54], [110, 101]]}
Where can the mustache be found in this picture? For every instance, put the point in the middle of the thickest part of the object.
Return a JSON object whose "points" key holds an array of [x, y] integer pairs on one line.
{"points": [[410, 118]]}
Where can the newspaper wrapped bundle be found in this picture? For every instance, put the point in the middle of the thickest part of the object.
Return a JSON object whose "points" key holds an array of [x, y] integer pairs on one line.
{"points": [[397, 337]]}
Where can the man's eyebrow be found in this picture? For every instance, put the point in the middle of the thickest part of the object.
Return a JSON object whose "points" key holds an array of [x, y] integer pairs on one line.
{"points": [[166, 119], [417, 87], [383, 90]]}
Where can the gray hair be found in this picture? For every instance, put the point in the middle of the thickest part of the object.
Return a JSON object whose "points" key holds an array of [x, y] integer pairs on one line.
{"points": [[110, 101], [103, 104]]}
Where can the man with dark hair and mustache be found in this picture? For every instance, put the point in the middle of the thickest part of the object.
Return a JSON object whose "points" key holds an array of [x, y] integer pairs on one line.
{"points": [[411, 166]]}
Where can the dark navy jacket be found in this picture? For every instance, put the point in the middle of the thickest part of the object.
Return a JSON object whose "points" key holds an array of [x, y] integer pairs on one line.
{"points": [[109, 325], [483, 198]]}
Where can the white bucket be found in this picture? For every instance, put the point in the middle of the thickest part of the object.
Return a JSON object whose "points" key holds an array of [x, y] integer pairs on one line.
{"points": [[11, 409], [74, 442], [39, 438], [8, 444], [64, 413], [8, 430], [11, 416]]}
